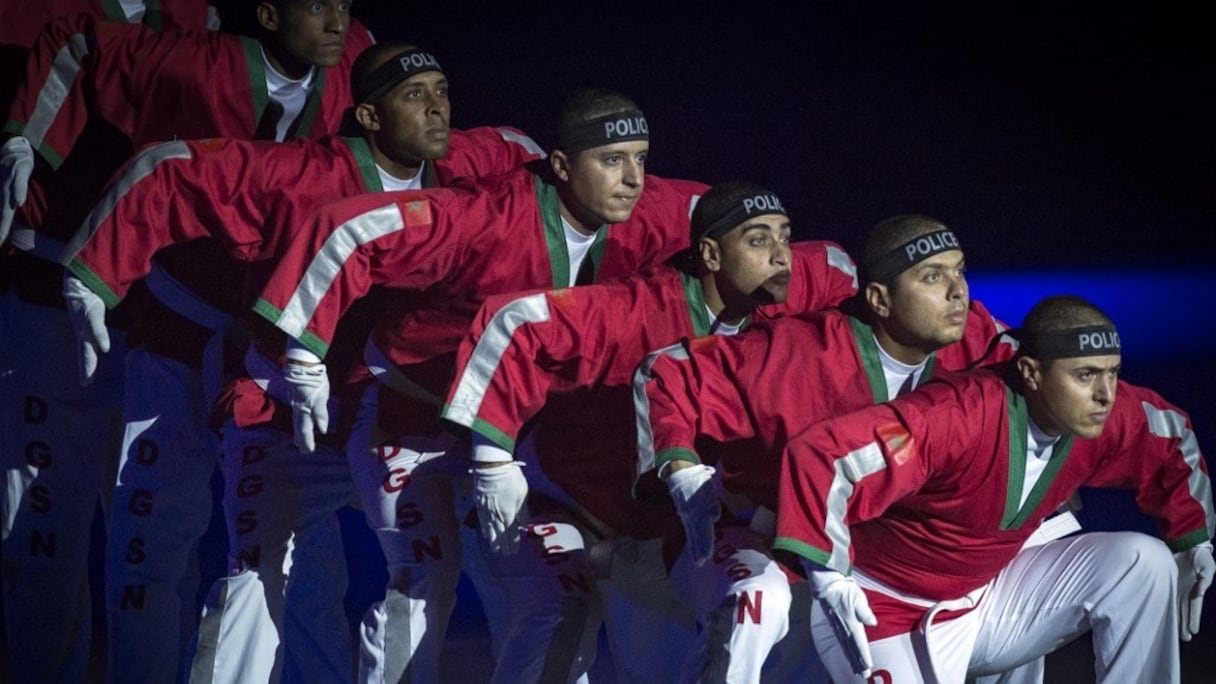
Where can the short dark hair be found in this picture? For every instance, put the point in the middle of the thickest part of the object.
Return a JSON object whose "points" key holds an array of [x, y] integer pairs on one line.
{"points": [[889, 234], [241, 16], [718, 200], [372, 57], [1061, 312], [587, 103]]}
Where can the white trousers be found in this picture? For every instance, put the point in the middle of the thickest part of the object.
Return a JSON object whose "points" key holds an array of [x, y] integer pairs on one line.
{"points": [[407, 487], [1119, 585], [744, 603]]}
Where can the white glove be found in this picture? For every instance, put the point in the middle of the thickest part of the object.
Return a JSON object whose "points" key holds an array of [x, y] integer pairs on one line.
{"points": [[16, 165], [308, 391], [692, 490], [1195, 570], [845, 605], [87, 314], [500, 492]]}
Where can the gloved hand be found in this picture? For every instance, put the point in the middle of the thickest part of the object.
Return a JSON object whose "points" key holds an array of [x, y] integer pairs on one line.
{"points": [[16, 165], [845, 605], [692, 490], [1195, 570], [308, 391], [500, 493], [87, 314]]}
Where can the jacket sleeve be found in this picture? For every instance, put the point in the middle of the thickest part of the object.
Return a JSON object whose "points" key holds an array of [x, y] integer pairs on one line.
{"points": [[686, 390], [169, 194], [80, 67], [486, 151], [522, 348], [403, 239], [851, 468], [1150, 445]]}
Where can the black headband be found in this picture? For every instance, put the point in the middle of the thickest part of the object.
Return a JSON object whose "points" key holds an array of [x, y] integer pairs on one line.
{"points": [[604, 130], [1094, 340], [735, 214], [400, 68], [885, 268]]}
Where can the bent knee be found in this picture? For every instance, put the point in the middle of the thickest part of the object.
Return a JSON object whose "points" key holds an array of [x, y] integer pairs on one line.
{"points": [[1141, 558]]}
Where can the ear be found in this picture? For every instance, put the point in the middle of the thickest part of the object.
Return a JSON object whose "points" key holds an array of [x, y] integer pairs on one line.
{"points": [[367, 116], [1029, 369], [711, 254], [878, 297], [268, 16], [560, 164]]}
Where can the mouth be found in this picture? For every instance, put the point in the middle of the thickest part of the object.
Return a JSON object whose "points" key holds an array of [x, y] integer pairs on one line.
{"points": [[782, 279], [1099, 417], [957, 318]]}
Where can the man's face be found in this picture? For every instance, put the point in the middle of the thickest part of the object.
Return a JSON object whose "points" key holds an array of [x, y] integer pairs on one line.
{"points": [[603, 184], [754, 261], [313, 31], [415, 119], [1071, 395], [928, 303]]}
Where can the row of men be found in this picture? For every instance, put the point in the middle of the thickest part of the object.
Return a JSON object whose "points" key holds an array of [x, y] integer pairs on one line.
{"points": [[475, 324]]}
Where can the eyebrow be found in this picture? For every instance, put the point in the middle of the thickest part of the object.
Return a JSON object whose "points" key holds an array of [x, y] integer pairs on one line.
{"points": [[760, 225], [1098, 369], [931, 264]]}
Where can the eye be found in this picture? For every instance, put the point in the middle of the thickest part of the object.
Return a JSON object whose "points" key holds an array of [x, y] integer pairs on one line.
{"points": [[612, 159], [344, 6], [932, 277], [642, 159]]}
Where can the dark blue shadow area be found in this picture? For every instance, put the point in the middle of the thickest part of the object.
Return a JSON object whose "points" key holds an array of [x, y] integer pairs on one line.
{"points": [[1162, 314]]}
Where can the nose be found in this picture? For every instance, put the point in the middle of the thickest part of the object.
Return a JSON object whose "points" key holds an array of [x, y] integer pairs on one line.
{"points": [[1104, 391], [958, 287], [782, 254], [436, 103], [336, 20], [633, 173]]}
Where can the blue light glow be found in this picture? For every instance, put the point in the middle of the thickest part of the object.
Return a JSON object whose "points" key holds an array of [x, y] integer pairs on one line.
{"points": [[1162, 314]]}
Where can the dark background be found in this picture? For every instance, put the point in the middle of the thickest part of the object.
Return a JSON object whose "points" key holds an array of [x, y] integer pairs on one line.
{"points": [[1070, 145], [1061, 134]]}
